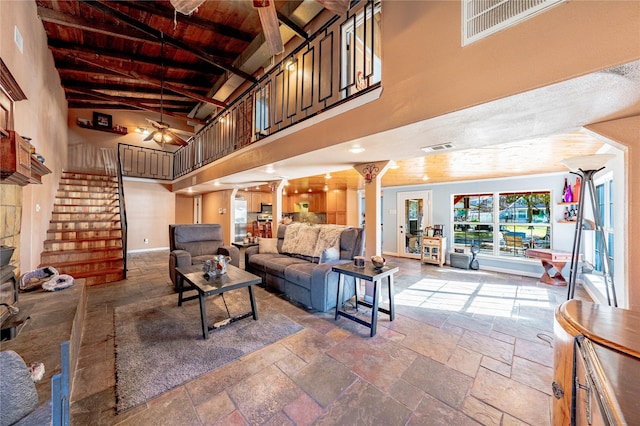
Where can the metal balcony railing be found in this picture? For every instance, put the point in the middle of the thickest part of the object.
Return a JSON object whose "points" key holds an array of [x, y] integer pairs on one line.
{"points": [[336, 64]]}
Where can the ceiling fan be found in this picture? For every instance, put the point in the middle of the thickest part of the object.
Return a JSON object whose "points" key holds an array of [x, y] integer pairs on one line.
{"points": [[163, 134]]}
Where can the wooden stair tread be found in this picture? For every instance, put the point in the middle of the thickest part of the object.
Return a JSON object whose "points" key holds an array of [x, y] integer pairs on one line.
{"points": [[79, 240], [85, 220], [86, 250], [78, 275], [82, 262]]}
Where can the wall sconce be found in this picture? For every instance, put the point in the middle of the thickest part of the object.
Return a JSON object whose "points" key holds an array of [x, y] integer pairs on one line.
{"points": [[370, 171]]}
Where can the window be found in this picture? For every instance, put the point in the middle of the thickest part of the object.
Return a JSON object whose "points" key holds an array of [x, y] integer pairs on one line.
{"points": [[604, 203], [504, 224], [361, 49]]}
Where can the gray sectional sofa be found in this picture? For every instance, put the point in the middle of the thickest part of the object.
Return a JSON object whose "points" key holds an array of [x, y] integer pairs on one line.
{"points": [[299, 262]]}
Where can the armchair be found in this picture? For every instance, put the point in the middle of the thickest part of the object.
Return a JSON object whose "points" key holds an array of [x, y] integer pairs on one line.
{"points": [[193, 244]]}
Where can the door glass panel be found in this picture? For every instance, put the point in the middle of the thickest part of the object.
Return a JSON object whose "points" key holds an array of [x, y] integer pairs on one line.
{"points": [[413, 209]]}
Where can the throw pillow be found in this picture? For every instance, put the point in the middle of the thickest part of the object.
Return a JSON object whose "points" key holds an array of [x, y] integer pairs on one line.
{"points": [[267, 245], [330, 254]]}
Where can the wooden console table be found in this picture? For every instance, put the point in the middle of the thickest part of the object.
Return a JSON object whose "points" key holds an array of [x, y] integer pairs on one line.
{"points": [[552, 259]]}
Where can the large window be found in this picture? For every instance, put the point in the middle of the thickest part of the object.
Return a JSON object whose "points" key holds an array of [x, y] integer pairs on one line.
{"points": [[504, 224]]}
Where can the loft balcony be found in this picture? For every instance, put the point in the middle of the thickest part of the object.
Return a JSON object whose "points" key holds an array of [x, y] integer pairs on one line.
{"points": [[337, 64]]}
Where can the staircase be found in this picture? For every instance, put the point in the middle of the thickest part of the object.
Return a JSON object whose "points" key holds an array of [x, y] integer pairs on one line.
{"points": [[85, 235]]}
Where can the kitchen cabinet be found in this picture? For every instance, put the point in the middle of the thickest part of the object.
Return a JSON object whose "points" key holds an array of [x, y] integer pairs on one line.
{"points": [[336, 207], [17, 165], [259, 198]]}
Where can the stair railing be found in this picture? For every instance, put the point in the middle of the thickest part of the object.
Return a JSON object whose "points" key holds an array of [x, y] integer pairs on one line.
{"points": [[123, 212]]}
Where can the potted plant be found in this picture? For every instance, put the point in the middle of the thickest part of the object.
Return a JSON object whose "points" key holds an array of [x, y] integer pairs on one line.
{"points": [[247, 238]]}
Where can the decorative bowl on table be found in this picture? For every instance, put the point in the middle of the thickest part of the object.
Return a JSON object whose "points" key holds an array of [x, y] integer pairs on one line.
{"points": [[378, 261]]}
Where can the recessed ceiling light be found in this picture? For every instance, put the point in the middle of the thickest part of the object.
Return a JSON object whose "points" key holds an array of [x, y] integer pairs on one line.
{"points": [[327, 176], [270, 169], [295, 192], [425, 177], [310, 190], [393, 165], [326, 188], [216, 183], [356, 149]]}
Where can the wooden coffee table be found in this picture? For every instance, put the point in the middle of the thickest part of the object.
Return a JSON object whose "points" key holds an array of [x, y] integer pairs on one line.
{"points": [[234, 279]]}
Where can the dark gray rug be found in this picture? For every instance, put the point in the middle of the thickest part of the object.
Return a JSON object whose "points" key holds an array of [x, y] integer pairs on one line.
{"points": [[159, 345]]}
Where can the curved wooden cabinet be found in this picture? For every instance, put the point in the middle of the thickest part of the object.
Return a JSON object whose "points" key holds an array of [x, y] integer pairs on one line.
{"points": [[596, 365]]}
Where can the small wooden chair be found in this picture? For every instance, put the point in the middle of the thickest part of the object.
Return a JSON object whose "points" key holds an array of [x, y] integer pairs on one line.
{"points": [[256, 229], [268, 230]]}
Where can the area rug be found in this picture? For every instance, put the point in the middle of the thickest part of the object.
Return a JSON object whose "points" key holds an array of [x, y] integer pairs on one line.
{"points": [[159, 345]]}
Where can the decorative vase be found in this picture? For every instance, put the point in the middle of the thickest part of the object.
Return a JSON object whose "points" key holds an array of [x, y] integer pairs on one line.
{"points": [[576, 191]]}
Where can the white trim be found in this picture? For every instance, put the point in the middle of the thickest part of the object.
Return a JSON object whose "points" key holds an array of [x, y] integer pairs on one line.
{"points": [[146, 250]]}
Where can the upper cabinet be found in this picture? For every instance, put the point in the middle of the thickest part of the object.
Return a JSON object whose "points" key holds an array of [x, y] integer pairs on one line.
{"points": [[17, 165], [258, 199]]}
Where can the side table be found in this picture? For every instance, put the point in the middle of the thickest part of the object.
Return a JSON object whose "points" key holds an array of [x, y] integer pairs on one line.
{"points": [[369, 273], [552, 260]]}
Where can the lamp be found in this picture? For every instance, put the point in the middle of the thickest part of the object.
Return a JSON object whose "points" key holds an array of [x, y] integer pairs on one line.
{"points": [[586, 167]]}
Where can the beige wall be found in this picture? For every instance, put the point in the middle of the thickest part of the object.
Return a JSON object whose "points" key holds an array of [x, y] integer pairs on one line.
{"points": [[150, 210], [43, 117], [184, 209], [211, 205]]}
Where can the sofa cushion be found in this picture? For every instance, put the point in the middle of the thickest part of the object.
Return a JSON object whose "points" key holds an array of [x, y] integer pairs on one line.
{"points": [[300, 274], [349, 244], [277, 265], [330, 254], [328, 236], [301, 240], [268, 245], [197, 232], [259, 261]]}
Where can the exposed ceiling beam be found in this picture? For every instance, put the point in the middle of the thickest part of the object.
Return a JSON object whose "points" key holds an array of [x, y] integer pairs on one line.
{"points": [[289, 23], [172, 87], [85, 104], [221, 29], [59, 18], [172, 41], [132, 57], [138, 105]]}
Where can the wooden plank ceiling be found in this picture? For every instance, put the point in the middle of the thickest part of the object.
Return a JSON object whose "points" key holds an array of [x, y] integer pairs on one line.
{"points": [[109, 53]]}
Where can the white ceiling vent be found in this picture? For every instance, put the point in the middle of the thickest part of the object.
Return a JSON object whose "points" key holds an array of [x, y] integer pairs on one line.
{"points": [[481, 18], [436, 148]]}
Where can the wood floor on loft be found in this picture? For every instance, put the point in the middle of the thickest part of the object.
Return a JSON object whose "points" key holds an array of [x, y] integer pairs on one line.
{"points": [[84, 239]]}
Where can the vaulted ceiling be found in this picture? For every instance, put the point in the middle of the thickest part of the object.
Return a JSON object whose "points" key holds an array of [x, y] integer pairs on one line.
{"points": [[119, 54]]}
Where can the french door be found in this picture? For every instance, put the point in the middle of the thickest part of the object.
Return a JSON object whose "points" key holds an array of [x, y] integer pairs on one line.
{"points": [[414, 214]]}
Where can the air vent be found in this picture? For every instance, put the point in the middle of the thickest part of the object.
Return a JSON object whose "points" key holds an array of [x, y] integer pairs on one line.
{"points": [[436, 148], [481, 18]]}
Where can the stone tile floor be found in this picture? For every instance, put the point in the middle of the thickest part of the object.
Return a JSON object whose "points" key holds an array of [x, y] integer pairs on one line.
{"points": [[466, 348]]}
